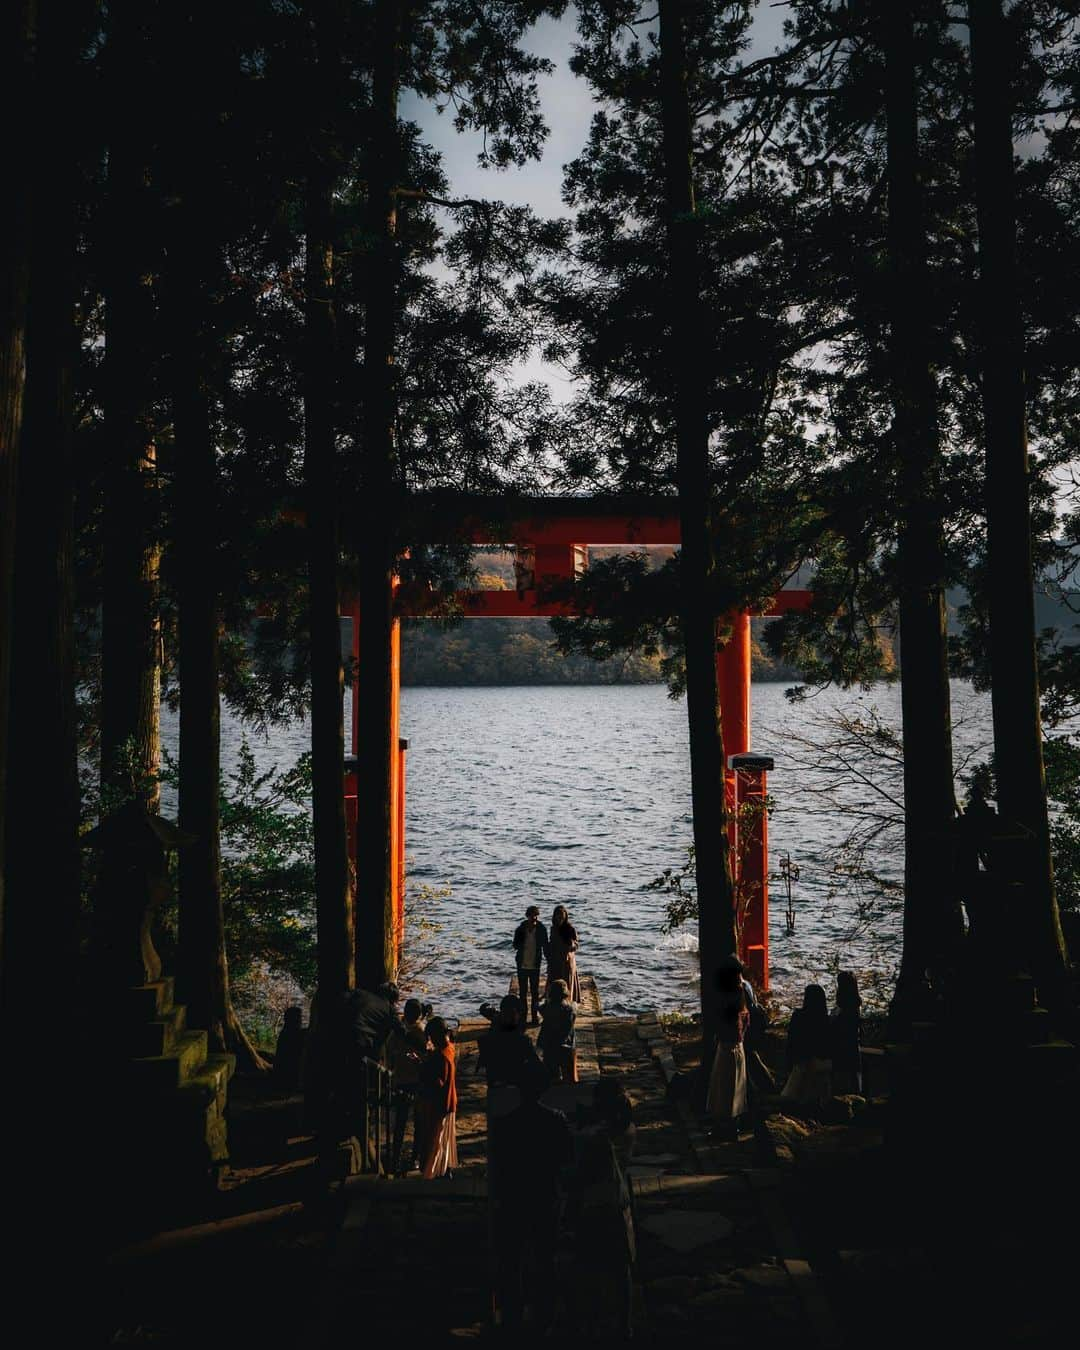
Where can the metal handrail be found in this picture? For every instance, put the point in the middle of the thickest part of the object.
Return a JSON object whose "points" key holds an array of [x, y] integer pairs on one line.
{"points": [[382, 1136]]}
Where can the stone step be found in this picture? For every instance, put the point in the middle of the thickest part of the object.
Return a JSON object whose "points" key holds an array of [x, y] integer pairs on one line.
{"points": [[161, 1072], [158, 1037], [1018, 993], [147, 1001], [213, 1077], [1051, 1061], [198, 1121]]}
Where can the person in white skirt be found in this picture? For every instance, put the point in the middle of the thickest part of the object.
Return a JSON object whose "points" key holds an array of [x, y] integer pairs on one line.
{"points": [[726, 1099], [436, 1105]]}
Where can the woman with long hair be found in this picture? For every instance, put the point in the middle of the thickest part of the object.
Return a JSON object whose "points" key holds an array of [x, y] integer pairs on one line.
{"points": [[845, 1024], [436, 1105], [556, 1041], [809, 1051], [562, 948]]}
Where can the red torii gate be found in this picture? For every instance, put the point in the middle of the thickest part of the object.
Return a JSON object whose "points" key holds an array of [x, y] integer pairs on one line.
{"points": [[551, 538]]}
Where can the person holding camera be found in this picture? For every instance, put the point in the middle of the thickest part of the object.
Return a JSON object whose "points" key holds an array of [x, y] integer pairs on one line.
{"points": [[408, 1054], [530, 947]]}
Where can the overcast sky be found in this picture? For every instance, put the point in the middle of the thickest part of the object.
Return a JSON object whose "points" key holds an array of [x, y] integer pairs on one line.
{"points": [[568, 107]]}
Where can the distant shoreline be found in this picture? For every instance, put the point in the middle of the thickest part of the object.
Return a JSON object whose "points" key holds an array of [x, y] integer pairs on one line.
{"points": [[526, 683]]}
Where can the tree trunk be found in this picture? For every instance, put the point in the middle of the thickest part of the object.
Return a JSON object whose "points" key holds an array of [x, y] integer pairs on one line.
{"points": [[43, 891], [131, 626], [374, 864], [203, 959], [17, 27], [333, 890], [1021, 781], [932, 921], [716, 900]]}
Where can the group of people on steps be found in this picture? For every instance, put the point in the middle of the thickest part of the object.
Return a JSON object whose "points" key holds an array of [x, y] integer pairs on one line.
{"points": [[545, 1179], [824, 1052], [360, 1025]]}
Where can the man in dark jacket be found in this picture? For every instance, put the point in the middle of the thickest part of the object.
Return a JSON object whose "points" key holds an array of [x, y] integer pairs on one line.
{"points": [[530, 948], [505, 1052]]}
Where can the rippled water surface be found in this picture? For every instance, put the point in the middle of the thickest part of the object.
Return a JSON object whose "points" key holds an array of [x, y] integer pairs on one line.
{"points": [[580, 795]]}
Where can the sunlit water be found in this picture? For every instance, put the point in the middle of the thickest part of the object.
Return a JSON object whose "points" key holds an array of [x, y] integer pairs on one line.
{"points": [[580, 795]]}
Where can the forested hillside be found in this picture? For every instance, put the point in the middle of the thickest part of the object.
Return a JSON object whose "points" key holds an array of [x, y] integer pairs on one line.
{"points": [[522, 651]]}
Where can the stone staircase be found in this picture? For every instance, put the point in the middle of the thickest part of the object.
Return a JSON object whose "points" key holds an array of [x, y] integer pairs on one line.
{"points": [[177, 1090]]}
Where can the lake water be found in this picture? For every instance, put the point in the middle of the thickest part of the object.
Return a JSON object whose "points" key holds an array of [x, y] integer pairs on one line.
{"points": [[580, 795]]}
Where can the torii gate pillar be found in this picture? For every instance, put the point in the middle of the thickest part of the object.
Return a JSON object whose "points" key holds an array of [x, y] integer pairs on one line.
{"points": [[745, 791], [397, 775]]}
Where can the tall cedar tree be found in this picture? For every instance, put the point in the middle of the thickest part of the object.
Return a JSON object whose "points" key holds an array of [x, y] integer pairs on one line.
{"points": [[131, 625], [1014, 676], [375, 539], [193, 266], [17, 34], [42, 859], [333, 886], [932, 921], [716, 901]]}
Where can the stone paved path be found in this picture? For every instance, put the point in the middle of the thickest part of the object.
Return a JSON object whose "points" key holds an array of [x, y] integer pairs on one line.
{"points": [[716, 1254]]}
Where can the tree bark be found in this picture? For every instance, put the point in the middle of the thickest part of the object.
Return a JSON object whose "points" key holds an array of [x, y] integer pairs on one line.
{"points": [[203, 958], [333, 888], [43, 893], [131, 626], [17, 30], [375, 957], [717, 936], [1021, 780], [932, 921]]}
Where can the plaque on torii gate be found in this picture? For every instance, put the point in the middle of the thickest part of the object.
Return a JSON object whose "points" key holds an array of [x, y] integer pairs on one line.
{"points": [[550, 538]]}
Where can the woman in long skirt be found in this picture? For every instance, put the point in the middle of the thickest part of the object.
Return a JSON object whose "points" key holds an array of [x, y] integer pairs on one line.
{"points": [[557, 1042], [562, 946], [727, 1099], [436, 1105]]}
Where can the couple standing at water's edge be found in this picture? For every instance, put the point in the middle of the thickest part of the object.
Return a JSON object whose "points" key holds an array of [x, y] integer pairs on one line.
{"points": [[532, 944]]}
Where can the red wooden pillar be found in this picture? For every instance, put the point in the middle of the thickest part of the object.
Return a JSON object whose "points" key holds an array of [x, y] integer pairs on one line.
{"points": [[397, 776], [745, 787], [397, 795], [733, 678], [399, 851], [753, 888]]}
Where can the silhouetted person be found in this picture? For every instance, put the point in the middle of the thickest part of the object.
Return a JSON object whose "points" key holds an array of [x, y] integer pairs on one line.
{"points": [[408, 1054], [436, 1104], [557, 1040], [562, 952], [601, 1217], [845, 1026], [530, 948], [726, 1099], [809, 1046], [529, 1152], [505, 1051], [614, 1111], [289, 1052], [758, 1072]]}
